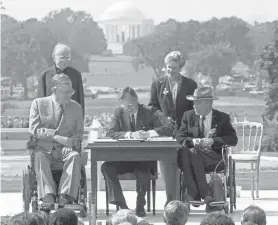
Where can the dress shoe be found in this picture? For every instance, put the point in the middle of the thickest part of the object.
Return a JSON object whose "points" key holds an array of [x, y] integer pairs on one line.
{"points": [[49, 199], [188, 198], [140, 212], [65, 199]]}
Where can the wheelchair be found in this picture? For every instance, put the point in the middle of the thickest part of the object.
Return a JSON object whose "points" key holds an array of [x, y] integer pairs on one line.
{"points": [[226, 170], [30, 192]]}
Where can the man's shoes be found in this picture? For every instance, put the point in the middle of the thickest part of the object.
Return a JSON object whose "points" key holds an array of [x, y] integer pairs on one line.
{"points": [[208, 200], [49, 199], [65, 199], [140, 212], [188, 198]]}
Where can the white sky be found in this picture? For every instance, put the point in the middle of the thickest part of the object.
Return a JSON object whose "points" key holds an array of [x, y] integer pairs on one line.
{"points": [[159, 10]]}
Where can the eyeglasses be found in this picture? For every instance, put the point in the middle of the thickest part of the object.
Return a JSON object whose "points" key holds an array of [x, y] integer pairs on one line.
{"points": [[67, 92], [64, 58]]}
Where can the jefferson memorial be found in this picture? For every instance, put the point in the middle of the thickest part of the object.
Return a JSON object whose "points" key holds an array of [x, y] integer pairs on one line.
{"points": [[122, 22]]}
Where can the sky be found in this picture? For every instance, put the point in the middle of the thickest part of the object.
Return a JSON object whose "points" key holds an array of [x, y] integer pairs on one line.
{"points": [[158, 10]]}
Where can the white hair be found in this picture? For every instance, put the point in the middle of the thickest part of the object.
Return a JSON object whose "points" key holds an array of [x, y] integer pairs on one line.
{"points": [[60, 46]]}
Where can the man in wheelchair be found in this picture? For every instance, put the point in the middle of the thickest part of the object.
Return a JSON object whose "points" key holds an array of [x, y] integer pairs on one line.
{"points": [[56, 125], [202, 134]]}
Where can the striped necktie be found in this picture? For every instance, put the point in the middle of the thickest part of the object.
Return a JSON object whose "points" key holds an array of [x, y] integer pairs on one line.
{"points": [[60, 114], [202, 128], [132, 123]]}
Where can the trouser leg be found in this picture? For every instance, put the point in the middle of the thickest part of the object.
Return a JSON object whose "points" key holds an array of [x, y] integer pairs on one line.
{"points": [[45, 182], [70, 179]]}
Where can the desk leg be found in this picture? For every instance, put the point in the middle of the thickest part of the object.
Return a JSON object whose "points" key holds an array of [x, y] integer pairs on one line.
{"points": [[175, 187], [94, 188]]}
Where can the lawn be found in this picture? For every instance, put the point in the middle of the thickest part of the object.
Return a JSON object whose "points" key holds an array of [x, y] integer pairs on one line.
{"points": [[235, 105]]}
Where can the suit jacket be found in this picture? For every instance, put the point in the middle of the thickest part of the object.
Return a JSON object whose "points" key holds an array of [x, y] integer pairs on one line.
{"points": [[45, 80], [190, 129], [147, 119], [164, 102], [42, 123]]}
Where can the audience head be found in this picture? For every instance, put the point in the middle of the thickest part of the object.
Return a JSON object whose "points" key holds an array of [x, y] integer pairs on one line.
{"points": [[217, 218], [254, 214], [176, 213], [64, 216], [129, 100], [26, 218], [174, 62], [61, 56], [249, 223], [124, 215], [62, 88], [80, 221]]}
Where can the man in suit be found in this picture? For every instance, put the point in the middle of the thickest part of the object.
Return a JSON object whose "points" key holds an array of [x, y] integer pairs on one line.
{"points": [[132, 120], [56, 122], [61, 56], [202, 134]]}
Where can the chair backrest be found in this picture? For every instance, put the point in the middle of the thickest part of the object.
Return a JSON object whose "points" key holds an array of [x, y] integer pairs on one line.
{"points": [[249, 136]]}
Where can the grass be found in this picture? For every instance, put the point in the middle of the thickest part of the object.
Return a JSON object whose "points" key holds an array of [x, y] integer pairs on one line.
{"points": [[236, 105]]}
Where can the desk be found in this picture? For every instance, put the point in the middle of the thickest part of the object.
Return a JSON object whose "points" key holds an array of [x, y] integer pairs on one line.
{"points": [[129, 151]]}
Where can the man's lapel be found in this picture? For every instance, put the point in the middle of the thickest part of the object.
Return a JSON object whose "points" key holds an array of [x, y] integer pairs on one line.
{"points": [[140, 118], [213, 119], [196, 121], [126, 121], [50, 109]]}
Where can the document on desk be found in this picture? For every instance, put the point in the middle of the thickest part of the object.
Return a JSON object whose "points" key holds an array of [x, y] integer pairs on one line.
{"points": [[161, 139], [130, 140], [104, 140]]}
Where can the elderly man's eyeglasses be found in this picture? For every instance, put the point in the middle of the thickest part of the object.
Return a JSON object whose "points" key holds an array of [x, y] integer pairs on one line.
{"points": [[67, 92], [64, 58]]}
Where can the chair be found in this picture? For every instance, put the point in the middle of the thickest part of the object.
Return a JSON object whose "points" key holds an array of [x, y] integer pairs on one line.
{"points": [[152, 186], [248, 149], [29, 187], [226, 169]]}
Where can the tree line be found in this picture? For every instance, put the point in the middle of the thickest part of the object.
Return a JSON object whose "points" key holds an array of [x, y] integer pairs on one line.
{"points": [[211, 47]]}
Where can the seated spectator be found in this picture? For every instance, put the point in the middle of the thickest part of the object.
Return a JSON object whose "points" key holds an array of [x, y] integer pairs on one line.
{"points": [[176, 213], [249, 223], [26, 218], [80, 221], [253, 214], [64, 216], [124, 215], [217, 218]]}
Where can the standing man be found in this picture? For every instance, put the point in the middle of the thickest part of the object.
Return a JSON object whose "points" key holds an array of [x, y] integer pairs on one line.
{"points": [[61, 56]]}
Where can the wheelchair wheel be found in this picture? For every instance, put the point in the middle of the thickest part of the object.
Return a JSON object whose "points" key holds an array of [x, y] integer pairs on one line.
{"points": [[26, 191], [234, 182], [231, 184]]}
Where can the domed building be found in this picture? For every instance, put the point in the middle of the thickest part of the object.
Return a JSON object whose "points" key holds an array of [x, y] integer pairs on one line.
{"points": [[122, 22]]}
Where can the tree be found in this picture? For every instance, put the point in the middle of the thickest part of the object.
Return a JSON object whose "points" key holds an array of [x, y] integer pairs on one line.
{"points": [[79, 31], [168, 36], [215, 60], [270, 63], [21, 54]]}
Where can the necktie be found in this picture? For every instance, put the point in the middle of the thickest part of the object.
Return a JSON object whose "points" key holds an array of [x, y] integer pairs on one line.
{"points": [[58, 71], [132, 123], [202, 128], [60, 114]]}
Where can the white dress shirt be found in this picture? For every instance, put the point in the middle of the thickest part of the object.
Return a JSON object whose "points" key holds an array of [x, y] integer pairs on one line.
{"points": [[207, 124]]}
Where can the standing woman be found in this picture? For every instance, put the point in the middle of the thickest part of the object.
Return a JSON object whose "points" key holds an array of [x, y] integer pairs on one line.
{"points": [[168, 98]]}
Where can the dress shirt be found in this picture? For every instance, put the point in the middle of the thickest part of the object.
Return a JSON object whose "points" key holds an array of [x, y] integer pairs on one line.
{"points": [[207, 124]]}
